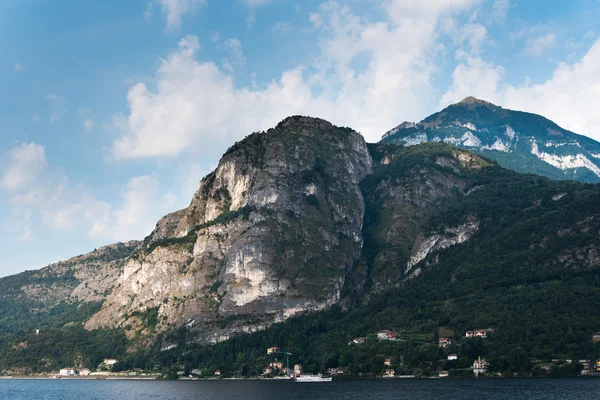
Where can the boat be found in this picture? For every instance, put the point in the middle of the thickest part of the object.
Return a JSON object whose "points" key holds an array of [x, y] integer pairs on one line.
{"points": [[312, 378]]}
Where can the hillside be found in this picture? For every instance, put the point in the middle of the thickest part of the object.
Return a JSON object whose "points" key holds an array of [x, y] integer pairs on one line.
{"points": [[308, 225], [526, 265], [520, 141]]}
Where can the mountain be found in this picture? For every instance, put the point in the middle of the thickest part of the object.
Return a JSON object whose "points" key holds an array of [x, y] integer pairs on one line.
{"points": [[520, 141], [312, 237]]}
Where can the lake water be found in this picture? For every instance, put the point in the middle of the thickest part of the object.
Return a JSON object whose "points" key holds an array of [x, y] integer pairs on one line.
{"points": [[430, 389]]}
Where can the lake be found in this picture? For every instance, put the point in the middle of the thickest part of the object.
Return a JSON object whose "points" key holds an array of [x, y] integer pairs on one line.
{"points": [[224, 390]]}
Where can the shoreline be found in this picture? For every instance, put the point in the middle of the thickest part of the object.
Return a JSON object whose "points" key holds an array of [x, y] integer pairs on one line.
{"points": [[195, 379]]}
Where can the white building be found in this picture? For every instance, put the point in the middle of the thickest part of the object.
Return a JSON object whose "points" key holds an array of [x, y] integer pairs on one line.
{"points": [[67, 372], [480, 366], [452, 357]]}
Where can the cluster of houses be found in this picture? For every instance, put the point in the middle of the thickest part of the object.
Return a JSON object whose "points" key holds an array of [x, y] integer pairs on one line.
{"points": [[381, 335], [103, 369], [277, 367]]}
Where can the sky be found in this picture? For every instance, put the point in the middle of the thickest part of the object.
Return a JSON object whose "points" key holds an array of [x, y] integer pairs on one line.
{"points": [[112, 111]]}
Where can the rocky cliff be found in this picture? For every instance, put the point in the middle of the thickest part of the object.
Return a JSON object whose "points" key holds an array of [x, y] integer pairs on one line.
{"points": [[270, 233]]}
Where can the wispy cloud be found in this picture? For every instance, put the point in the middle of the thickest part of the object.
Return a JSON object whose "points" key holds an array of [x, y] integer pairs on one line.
{"points": [[536, 46], [282, 26], [56, 110], [500, 10], [174, 10]]}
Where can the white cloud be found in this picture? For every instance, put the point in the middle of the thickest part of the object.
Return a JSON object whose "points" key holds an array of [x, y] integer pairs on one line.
{"points": [[88, 124], [251, 19], [500, 10], [174, 10], [537, 46], [35, 118], [197, 105], [474, 35], [25, 163], [19, 67], [568, 97], [45, 197], [142, 205], [256, 3], [236, 57], [316, 20], [473, 77], [589, 35]]}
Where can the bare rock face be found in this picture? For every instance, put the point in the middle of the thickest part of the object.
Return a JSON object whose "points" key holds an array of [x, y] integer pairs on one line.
{"points": [[270, 233], [85, 278], [449, 237]]}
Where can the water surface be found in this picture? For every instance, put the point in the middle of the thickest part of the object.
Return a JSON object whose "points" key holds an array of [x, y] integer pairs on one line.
{"points": [[433, 389]]}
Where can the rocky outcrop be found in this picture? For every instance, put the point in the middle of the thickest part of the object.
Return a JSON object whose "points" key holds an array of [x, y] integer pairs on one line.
{"points": [[270, 233], [87, 278], [449, 237]]}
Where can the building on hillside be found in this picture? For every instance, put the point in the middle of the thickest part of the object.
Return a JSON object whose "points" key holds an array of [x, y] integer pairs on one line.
{"points": [[84, 372], [443, 374], [596, 337], [196, 371], [168, 346], [108, 362], [452, 357], [335, 371], [276, 364], [386, 335], [480, 333], [298, 369], [357, 340], [218, 372], [272, 350], [388, 362], [69, 371], [480, 366], [389, 373], [444, 342], [268, 371]]}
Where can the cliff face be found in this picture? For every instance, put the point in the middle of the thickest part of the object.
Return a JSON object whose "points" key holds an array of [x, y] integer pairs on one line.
{"points": [[271, 232], [410, 185]]}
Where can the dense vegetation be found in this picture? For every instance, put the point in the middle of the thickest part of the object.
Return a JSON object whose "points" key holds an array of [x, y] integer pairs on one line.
{"points": [[52, 349]]}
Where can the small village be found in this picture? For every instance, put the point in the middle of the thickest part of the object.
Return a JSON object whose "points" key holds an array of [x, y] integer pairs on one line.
{"points": [[480, 367], [280, 364]]}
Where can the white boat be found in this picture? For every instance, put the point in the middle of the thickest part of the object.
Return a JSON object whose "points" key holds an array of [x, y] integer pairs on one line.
{"points": [[312, 378]]}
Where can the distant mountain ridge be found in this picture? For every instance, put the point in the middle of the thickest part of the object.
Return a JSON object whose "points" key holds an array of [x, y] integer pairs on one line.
{"points": [[524, 142]]}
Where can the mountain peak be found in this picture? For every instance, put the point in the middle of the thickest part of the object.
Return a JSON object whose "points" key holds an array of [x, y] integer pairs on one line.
{"points": [[473, 101]]}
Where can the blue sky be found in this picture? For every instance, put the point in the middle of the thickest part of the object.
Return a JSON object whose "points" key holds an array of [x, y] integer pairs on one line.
{"points": [[112, 111]]}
